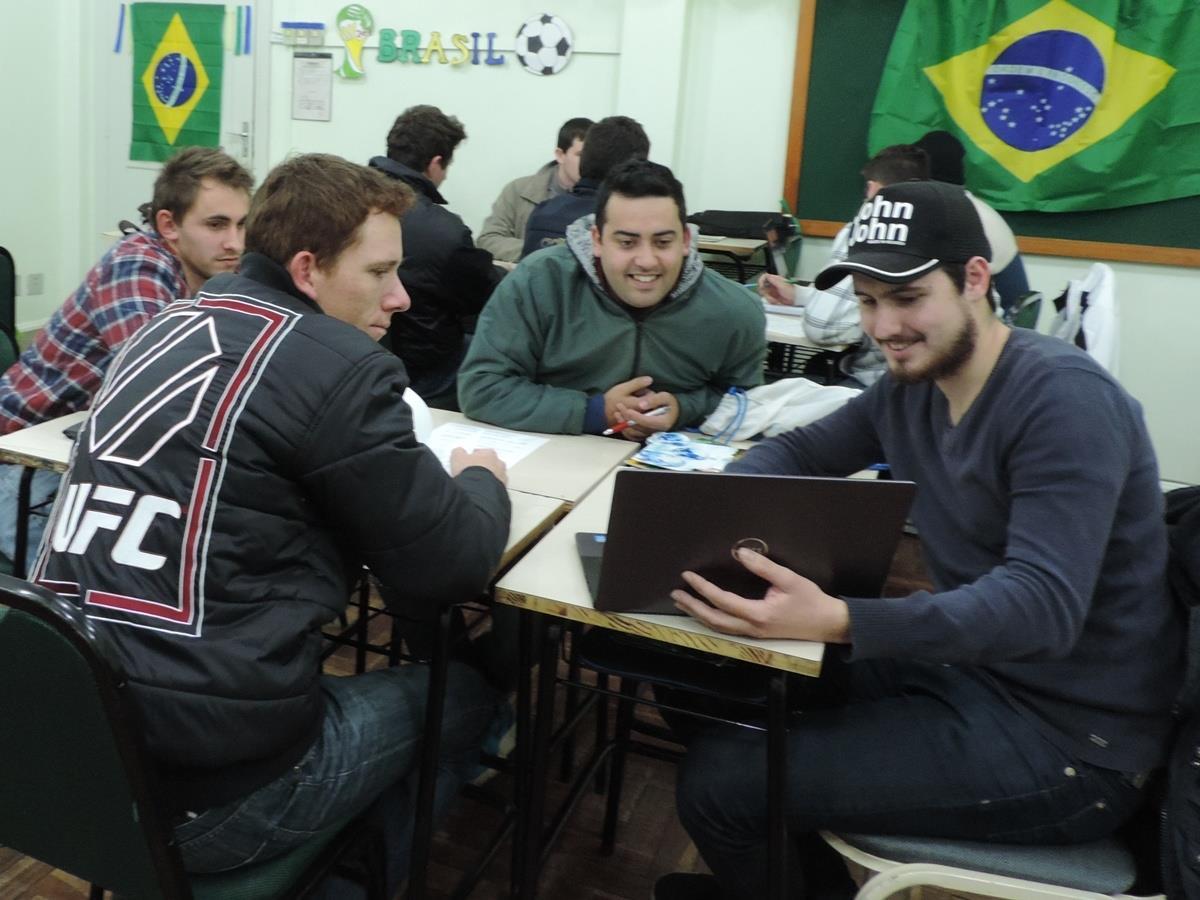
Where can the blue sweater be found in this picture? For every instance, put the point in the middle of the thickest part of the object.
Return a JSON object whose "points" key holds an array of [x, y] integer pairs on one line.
{"points": [[1041, 522]]}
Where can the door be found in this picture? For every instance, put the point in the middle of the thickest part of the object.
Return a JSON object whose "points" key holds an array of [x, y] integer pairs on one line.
{"points": [[120, 184]]}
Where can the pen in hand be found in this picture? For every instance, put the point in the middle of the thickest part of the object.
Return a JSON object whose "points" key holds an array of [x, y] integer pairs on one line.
{"points": [[621, 426]]}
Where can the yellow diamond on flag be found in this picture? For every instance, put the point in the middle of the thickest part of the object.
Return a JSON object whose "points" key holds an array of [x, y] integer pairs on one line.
{"points": [[1045, 87], [175, 79]]}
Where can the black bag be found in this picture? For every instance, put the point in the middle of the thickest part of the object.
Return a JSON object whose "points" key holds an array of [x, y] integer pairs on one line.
{"points": [[735, 223]]}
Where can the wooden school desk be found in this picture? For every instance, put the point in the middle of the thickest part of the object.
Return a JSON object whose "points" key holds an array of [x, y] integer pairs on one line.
{"points": [[554, 476], [737, 249], [549, 583], [566, 467], [41, 446]]}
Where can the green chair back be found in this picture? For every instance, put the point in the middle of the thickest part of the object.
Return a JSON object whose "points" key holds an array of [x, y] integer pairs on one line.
{"points": [[78, 790], [75, 793]]}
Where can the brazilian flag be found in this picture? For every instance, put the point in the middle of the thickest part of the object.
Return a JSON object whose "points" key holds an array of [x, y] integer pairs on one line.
{"points": [[177, 58], [1087, 104]]}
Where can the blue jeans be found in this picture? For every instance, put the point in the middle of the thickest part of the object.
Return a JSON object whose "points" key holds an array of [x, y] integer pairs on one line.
{"points": [[42, 491], [368, 748], [891, 748]]}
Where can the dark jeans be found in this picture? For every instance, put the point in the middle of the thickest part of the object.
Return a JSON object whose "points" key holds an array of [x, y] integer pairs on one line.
{"points": [[368, 748], [899, 748]]}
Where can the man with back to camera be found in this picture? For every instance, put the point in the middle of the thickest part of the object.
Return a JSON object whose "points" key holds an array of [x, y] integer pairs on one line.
{"points": [[503, 231], [623, 323], [446, 275], [1025, 697], [610, 141], [831, 316], [278, 459], [197, 214]]}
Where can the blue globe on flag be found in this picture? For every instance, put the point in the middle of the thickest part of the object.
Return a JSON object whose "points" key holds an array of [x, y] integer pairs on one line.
{"points": [[1042, 89], [174, 80]]}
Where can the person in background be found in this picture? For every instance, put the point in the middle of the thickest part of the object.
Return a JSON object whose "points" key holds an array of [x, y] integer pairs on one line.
{"points": [[197, 216], [609, 142], [623, 323], [503, 232], [250, 451], [946, 154], [831, 317], [447, 277]]}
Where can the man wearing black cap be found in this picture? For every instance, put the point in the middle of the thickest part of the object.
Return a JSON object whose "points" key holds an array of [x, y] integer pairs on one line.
{"points": [[1023, 699]]}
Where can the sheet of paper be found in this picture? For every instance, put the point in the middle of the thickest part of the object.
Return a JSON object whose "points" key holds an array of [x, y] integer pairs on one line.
{"points": [[312, 86], [510, 446]]}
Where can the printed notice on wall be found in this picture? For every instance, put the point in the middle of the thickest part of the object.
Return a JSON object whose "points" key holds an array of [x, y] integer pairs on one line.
{"points": [[312, 86]]}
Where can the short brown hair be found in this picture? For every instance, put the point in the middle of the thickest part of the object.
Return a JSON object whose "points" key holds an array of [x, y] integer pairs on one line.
{"points": [[317, 202], [178, 183], [422, 132], [897, 163]]}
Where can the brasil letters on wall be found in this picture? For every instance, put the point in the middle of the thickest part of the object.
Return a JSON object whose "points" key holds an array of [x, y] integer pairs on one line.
{"points": [[1061, 105], [177, 58]]}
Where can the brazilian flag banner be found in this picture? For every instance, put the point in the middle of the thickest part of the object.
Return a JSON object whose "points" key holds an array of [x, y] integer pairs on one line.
{"points": [[1079, 105], [177, 58]]}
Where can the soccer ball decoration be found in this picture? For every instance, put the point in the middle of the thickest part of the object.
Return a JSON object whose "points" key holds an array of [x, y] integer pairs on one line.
{"points": [[544, 44]]}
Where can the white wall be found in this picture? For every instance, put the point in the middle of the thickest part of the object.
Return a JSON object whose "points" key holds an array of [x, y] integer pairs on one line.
{"points": [[39, 158], [709, 79]]}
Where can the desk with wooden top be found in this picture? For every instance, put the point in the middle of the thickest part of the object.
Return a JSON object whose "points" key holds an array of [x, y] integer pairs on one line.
{"points": [[550, 580], [566, 467], [541, 487], [736, 249], [548, 585]]}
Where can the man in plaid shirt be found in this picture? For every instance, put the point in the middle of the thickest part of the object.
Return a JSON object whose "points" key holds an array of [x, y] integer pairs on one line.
{"points": [[198, 213]]}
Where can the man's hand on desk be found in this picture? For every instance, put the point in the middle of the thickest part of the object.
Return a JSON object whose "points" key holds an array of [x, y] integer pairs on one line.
{"points": [[793, 606], [658, 411], [461, 458], [777, 290]]}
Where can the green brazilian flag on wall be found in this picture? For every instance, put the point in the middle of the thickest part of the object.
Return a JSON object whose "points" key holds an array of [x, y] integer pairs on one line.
{"points": [[1088, 104], [177, 58]]}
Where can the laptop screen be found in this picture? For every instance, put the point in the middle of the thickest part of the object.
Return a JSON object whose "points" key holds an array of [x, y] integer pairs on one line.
{"points": [[840, 532]]}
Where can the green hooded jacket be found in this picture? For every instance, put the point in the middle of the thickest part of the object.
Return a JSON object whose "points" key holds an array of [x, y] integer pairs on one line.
{"points": [[551, 336]]}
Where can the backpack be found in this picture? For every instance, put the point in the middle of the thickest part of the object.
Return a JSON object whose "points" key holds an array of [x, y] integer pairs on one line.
{"points": [[1180, 824]]}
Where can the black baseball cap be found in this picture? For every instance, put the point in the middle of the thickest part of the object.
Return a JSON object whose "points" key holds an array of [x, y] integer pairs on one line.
{"points": [[907, 230]]}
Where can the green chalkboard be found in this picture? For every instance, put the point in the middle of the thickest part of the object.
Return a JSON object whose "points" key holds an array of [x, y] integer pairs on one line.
{"points": [[841, 51]]}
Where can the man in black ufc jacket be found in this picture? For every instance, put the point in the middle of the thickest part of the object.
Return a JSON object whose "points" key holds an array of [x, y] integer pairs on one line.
{"points": [[248, 452]]}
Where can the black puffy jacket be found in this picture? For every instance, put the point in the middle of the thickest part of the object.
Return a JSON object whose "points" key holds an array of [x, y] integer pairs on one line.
{"points": [[446, 275], [246, 454]]}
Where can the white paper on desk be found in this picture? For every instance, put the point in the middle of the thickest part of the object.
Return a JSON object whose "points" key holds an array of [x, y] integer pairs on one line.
{"points": [[778, 309], [510, 446]]}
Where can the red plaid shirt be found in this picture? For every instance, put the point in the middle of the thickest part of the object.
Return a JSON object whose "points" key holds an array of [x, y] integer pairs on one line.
{"points": [[62, 370]]}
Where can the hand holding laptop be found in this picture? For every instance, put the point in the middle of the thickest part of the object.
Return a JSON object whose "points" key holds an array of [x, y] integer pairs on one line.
{"points": [[793, 607]]}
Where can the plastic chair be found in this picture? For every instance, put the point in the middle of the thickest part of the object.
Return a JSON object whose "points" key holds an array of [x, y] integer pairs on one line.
{"points": [[81, 793], [1087, 315], [1113, 867]]}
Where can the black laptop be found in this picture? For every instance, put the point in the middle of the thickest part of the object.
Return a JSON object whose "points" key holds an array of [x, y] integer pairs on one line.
{"points": [[840, 532]]}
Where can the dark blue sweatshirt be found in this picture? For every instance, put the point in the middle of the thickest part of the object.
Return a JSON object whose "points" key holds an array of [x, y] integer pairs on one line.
{"points": [[1041, 521]]}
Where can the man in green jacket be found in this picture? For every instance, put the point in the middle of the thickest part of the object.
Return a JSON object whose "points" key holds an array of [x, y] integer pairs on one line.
{"points": [[621, 324]]}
